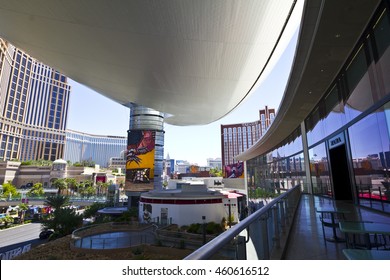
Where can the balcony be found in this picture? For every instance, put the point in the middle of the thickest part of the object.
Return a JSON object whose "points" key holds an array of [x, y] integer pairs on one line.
{"points": [[289, 228]]}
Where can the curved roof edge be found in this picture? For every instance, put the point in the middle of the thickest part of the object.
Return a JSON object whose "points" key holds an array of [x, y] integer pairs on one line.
{"points": [[328, 33]]}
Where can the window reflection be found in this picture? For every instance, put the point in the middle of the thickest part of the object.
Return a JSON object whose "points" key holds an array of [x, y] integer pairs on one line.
{"points": [[314, 127], [382, 42], [319, 170], [335, 111], [274, 173], [369, 140], [359, 97]]}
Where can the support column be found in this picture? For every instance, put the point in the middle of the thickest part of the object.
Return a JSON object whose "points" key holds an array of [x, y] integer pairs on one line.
{"points": [[145, 123], [306, 159]]}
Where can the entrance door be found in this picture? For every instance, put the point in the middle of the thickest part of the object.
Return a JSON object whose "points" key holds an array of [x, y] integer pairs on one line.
{"points": [[340, 173]]}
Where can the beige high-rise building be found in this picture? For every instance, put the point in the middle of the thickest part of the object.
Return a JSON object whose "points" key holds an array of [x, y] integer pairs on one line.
{"points": [[33, 107]]}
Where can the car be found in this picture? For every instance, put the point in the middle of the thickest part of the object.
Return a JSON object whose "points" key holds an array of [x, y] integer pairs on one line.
{"points": [[45, 234]]}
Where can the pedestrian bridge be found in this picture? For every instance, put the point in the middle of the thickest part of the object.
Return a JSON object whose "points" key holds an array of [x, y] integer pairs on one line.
{"points": [[77, 201]]}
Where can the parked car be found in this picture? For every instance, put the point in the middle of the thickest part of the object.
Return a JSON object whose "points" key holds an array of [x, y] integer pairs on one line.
{"points": [[45, 234]]}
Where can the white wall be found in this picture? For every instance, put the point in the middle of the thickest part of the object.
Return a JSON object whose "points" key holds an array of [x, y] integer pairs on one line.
{"points": [[188, 214], [233, 208], [234, 183]]}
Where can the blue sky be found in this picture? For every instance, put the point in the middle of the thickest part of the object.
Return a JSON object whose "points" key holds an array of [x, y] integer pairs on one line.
{"points": [[93, 113]]}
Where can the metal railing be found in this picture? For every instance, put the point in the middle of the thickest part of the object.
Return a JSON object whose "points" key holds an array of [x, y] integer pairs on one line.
{"points": [[74, 199], [267, 230], [113, 235]]}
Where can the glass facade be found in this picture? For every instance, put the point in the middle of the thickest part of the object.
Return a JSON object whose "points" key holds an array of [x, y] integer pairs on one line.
{"points": [[97, 148], [278, 170], [353, 114], [370, 149]]}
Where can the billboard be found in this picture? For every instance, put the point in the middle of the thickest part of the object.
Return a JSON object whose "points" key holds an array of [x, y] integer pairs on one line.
{"points": [[235, 170], [140, 160]]}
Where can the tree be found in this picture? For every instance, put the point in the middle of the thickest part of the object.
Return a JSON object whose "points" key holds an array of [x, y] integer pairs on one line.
{"points": [[6, 220], [71, 184], [40, 162], [102, 188], [60, 184], [9, 190], [86, 188], [91, 210], [64, 221], [36, 190], [215, 172], [85, 163], [23, 207], [57, 202]]}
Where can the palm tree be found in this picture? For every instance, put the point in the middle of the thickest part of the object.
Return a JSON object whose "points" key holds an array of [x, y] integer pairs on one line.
{"points": [[64, 221], [71, 184], [36, 190], [23, 207], [60, 184], [57, 202], [102, 188]]}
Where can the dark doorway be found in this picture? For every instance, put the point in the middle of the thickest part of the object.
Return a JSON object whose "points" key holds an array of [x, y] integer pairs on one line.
{"points": [[340, 173]]}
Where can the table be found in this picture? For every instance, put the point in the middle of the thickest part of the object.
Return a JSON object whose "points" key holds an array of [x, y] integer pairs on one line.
{"points": [[357, 254], [364, 228], [332, 211]]}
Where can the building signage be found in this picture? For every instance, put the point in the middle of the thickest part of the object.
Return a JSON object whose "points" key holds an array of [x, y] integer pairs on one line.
{"points": [[9, 255], [336, 141], [140, 160], [250, 124]]}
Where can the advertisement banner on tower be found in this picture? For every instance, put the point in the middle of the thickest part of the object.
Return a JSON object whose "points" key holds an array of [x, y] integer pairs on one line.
{"points": [[140, 160], [235, 170]]}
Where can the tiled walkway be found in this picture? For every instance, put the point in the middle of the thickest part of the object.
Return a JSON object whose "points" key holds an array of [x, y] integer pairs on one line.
{"points": [[306, 240]]}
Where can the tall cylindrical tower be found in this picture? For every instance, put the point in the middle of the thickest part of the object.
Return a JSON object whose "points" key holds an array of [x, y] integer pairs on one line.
{"points": [[145, 151]]}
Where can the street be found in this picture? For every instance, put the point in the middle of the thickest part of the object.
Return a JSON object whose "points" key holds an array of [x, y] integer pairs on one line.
{"points": [[19, 238]]}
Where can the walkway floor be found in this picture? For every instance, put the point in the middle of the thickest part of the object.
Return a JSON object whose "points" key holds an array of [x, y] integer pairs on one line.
{"points": [[306, 240]]}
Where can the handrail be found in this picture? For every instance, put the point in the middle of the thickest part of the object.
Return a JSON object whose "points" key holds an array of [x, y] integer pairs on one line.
{"points": [[215, 245]]}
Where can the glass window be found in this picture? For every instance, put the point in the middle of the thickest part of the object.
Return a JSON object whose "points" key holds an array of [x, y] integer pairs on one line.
{"points": [[370, 148], [334, 109], [319, 170], [359, 97], [314, 127], [382, 43]]}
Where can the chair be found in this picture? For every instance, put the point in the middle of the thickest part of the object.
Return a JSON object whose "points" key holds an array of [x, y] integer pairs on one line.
{"points": [[330, 220], [368, 241], [380, 241]]}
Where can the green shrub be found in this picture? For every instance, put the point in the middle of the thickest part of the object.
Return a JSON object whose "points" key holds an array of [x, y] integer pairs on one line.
{"points": [[213, 228], [182, 244], [194, 228]]}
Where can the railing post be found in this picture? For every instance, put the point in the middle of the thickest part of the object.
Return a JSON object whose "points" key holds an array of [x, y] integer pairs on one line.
{"points": [[282, 216], [286, 214], [276, 237], [264, 235], [241, 248]]}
